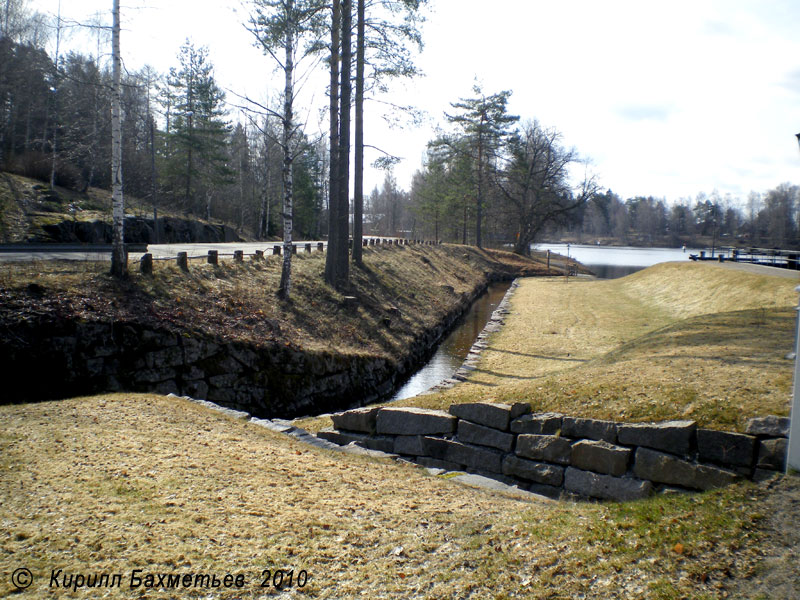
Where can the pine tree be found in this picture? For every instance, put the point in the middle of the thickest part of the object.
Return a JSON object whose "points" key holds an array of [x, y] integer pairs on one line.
{"points": [[199, 129], [483, 121], [393, 24]]}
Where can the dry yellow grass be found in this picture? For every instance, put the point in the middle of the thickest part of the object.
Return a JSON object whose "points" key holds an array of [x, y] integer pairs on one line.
{"points": [[123, 482], [674, 341]]}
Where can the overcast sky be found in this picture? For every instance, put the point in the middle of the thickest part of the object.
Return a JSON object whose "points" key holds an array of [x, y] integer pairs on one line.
{"points": [[663, 98]]}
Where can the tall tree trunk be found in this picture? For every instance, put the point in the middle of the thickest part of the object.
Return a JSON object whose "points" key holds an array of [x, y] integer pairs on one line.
{"points": [[479, 208], [188, 192], [285, 286], [55, 102], [119, 258], [153, 186], [333, 169], [464, 225], [263, 217], [241, 192], [358, 184], [343, 258]]}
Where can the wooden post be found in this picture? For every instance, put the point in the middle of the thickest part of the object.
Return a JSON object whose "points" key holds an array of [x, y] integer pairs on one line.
{"points": [[294, 248], [238, 256], [259, 255], [146, 264], [320, 247], [308, 248], [183, 261], [548, 261], [276, 250], [213, 257]]}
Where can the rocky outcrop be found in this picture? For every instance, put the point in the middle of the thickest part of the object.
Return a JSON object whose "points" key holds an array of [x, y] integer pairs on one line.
{"points": [[551, 454], [139, 230]]}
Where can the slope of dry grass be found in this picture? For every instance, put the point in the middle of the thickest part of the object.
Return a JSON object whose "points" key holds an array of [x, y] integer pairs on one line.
{"points": [[405, 285], [123, 482], [678, 340]]}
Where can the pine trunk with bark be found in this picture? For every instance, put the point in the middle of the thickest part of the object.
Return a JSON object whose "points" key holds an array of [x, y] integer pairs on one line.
{"points": [[358, 184], [343, 227], [333, 175]]}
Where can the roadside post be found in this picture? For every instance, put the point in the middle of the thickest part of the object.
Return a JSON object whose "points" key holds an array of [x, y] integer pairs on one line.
{"points": [[567, 269]]}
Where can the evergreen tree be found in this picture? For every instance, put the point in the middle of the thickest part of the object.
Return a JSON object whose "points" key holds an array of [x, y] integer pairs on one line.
{"points": [[484, 123], [199, 129], [394, 28]]}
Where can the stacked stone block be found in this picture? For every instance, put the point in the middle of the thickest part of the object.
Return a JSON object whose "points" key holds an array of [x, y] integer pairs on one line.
{"points": [[553, 454]]}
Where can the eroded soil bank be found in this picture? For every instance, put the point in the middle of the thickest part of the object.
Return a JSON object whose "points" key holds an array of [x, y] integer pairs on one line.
{"points": [[218, 332]]}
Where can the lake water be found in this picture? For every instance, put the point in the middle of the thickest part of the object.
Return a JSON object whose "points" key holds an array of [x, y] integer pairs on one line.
{"points": [[610, 262], [453, 350]]}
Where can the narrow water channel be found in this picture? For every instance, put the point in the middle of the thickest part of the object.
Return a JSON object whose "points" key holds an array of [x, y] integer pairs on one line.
{"points": [[454, 348]]}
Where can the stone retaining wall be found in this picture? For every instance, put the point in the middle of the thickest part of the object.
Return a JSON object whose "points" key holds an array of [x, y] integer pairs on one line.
{"points": [[49, 358], [554, 454]]}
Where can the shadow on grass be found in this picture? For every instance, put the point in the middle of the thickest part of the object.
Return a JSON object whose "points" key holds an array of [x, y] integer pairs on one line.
{"points": [[540, 356], [732, 337]]}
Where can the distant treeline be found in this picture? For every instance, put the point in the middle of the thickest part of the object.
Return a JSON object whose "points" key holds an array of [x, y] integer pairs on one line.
{"points": [[489, 180], [181, 152], [770, 220]]}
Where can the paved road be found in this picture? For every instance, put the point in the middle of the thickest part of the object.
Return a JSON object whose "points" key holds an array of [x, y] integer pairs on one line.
{"points": [[76, 253], [159, 251], [27, 256], [762, 269]]}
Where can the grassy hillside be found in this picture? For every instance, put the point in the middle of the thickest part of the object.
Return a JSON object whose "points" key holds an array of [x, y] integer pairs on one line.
{"points": [[399, 292], [678, 340]]}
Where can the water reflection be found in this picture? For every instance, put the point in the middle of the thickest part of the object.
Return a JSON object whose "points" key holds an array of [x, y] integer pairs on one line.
{"points": [[455, 347], [610, 262]]}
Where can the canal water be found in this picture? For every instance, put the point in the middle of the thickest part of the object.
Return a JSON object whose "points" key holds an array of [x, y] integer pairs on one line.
{"points": [[454, 348], [607, 262], [610, 262]]}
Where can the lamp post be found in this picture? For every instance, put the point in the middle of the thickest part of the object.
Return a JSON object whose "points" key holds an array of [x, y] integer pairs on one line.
{"points": [[793, 458]]}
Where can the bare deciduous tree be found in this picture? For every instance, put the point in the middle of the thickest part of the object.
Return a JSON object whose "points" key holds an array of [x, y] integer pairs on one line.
{"points": [[119, 258]]}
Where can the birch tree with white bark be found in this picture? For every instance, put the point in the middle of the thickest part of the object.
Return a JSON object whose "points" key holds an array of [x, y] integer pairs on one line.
{"points": [[119, 258], [288, 31]]}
